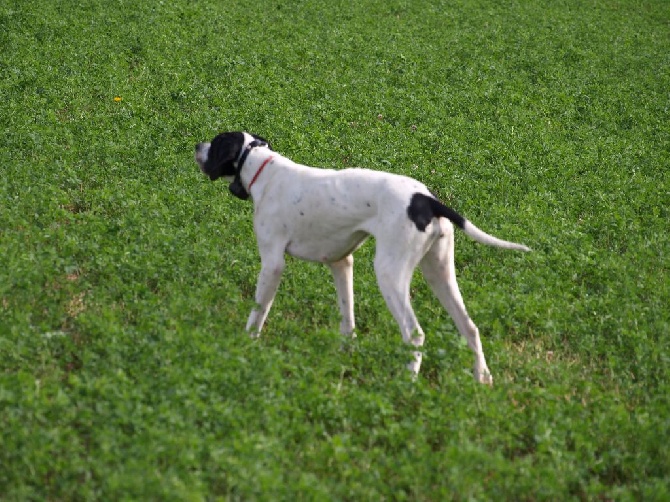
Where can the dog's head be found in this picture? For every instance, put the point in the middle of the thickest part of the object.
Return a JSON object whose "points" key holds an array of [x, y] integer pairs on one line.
{"points": [[218, 159]]}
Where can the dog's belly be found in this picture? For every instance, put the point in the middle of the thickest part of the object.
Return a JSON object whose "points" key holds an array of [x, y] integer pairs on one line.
{"points": [[326, 248]]}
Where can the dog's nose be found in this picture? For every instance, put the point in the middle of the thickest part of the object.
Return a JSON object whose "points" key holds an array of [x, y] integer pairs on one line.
{"points": [[197, 147]]}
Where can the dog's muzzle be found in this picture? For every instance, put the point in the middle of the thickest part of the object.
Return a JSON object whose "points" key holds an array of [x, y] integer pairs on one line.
{"points": [[201, 154]]}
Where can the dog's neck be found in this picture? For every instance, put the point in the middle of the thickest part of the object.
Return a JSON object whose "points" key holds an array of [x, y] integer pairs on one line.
{"points": [[245, 178], [249, 144]]}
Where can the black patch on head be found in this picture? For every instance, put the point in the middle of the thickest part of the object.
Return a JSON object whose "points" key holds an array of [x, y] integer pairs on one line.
{"points": [[224, 150], [423, 208]]}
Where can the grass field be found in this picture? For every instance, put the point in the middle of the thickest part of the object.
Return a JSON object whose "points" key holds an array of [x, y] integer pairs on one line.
{"points": [[126, 276]]}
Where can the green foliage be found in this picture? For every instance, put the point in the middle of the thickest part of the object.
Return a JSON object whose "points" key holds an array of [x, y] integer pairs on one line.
{"points": [[126, 277]]}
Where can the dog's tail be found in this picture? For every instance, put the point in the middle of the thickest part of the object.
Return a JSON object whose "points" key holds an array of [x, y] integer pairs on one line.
{"points": [[470, 229]]}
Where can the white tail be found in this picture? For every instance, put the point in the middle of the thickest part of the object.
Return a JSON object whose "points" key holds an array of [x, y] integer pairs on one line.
{"points": [[481, 236]]}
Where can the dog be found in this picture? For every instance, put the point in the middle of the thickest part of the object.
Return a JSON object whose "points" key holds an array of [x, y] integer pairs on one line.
{"points": [[324, 215]]}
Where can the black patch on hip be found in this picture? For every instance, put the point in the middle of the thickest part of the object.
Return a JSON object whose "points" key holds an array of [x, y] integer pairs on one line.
{"points": [[423, 208]]}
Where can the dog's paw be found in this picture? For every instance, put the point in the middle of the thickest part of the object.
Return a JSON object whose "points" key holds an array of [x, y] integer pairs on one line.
{"points": [[415, 364], [484, 377], [348, 344]]}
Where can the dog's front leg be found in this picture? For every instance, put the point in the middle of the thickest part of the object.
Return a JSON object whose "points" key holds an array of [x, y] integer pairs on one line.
{"points": [[272, 266], [343, 273]]}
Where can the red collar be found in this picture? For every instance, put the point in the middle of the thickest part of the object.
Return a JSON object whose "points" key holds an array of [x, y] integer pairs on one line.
{"points": [[260, 169]]}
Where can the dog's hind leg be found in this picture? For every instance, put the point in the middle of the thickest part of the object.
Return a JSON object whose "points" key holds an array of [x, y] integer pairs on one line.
{"points": [[272, 266], [343, 274], [394, 274], [440, 273]]}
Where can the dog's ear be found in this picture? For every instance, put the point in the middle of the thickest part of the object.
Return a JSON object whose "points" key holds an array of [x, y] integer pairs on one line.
{"points": [[223, 152], [263, 140]]}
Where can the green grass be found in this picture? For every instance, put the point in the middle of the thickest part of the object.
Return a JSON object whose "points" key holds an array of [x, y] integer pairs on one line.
{"points": [[126, 277]]}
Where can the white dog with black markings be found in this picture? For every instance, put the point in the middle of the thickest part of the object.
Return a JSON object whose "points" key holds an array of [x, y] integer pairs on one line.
{"points": [[324, 215]]}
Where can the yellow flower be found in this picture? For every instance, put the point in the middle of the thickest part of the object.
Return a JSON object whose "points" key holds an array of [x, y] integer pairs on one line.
{"points": [[118, 98]]}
